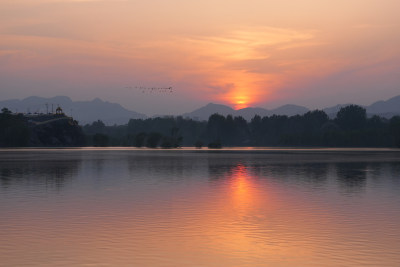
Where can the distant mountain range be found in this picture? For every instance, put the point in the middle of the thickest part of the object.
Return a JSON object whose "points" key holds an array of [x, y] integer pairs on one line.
{"points": [[82, 111], [387, 109], [113, 113], [205, 112]]}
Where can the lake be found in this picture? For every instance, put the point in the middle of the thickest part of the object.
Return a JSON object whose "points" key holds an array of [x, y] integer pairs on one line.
{"points": [[188, 207]]}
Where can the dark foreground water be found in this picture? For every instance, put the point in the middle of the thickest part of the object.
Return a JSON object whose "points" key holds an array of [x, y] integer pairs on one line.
{"points": [[199, 208]]}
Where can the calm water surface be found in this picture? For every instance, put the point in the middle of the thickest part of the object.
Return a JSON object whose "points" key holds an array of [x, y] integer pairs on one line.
{"points": [[121, 207]]}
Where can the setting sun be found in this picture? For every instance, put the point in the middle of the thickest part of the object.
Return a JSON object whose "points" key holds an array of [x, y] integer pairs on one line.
{"points": [[199, 133], [240, 104]]}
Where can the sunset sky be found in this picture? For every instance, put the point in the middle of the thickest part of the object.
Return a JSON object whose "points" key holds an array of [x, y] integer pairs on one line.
{"points": [[315, 53]]}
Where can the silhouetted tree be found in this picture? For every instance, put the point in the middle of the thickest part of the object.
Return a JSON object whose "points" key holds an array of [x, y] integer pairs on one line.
{"points": [[350, 128], [215, 127], [241, 132], [395, 129], [5, 111], [96, 127], [256, 131], [215, 144], [140, 139], [352, 117], [14, 130], [153, 139], [199, 144], [313, 120], [100, 140]]}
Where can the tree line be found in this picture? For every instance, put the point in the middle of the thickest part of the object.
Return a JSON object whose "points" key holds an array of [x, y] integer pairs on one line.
{"points": [[350, 128], [14, 131]]}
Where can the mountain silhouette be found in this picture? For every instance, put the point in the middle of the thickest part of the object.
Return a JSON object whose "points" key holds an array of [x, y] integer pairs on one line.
{"points": [[204, 112], [247, 113], [114, 113], [386, 109], [82, 111]]}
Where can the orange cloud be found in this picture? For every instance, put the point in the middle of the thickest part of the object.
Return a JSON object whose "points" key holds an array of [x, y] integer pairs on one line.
{"points": [[237, 59]]}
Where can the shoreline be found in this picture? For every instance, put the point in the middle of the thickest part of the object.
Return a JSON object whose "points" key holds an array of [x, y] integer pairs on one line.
{"points": [[266, 149]]}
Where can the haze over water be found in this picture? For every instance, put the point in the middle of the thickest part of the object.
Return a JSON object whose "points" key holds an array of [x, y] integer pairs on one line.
{"points": [[122, 207]]}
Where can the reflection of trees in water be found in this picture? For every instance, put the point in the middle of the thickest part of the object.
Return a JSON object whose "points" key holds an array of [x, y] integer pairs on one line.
{"points": [[98, 165], [166, 166], [352, 176], [217, 172], [395, 171], [218, 169], [383, 174], [48, 173], [306, 173]]}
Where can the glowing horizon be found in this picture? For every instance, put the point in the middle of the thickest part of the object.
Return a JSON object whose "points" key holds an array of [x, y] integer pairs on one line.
{"points": [[310, 53]]}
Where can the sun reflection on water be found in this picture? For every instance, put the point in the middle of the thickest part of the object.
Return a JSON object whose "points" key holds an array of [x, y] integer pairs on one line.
{"points": [[242, 188], [205, 209]]}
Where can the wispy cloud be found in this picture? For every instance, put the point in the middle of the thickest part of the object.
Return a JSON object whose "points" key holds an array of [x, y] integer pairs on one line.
{"points": [[245, 59]]}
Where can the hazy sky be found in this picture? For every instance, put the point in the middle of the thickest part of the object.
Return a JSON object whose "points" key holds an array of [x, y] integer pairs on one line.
{"points": [[314, 53]]}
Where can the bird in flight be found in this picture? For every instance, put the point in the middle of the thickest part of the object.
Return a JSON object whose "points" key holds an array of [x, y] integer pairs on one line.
{"points": [[145, 89]]}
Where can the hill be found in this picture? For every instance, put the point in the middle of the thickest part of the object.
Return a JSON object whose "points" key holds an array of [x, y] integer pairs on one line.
{"points": [[205, 112], [113, 113], [82, 111], [386, 109], [49, 130]]}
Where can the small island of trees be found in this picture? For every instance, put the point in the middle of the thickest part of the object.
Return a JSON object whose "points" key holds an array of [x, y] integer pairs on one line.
{"points": [[350, 128]]}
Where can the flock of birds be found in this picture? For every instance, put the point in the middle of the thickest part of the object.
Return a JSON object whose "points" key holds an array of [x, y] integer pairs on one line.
{"points": [[144, 89]]}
